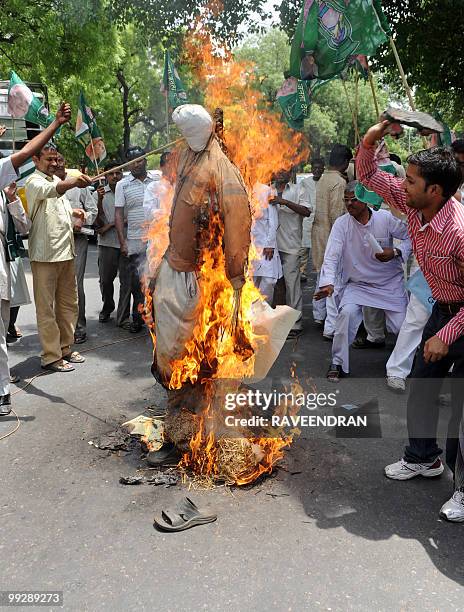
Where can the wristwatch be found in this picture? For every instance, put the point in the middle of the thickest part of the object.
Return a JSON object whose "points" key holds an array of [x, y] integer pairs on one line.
{"points": [[397, 252]]}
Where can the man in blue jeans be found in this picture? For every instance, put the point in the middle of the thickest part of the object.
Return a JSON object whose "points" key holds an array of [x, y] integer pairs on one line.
{"points": [[436, 229]]}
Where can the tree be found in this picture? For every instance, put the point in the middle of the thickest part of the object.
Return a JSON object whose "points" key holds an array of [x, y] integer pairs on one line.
{"points": [[164, 20]]}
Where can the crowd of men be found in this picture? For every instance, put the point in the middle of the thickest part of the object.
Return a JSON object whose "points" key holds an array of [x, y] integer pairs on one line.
{"points": [[366, 222], [374, 225]]}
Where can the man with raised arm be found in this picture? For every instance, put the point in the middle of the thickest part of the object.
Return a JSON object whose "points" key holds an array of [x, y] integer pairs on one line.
{"points": [[436, 229]]}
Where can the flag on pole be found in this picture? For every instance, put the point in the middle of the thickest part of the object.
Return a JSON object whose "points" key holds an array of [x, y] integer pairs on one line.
{"points": [[171, 85], [88, 135], [329, 32], [24, 104], [294, 98]]}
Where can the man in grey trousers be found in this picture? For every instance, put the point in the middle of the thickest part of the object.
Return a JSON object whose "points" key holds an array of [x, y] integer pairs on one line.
{"points": [[110, 260]]}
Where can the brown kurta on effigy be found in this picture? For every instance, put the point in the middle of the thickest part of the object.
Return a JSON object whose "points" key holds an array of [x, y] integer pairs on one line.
{"points": [[202, 176]]}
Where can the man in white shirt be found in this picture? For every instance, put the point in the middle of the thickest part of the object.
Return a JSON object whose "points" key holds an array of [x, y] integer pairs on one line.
{"points": [[129, 198], [292, 208], [309, 185], [267, 268], [79, 199]]}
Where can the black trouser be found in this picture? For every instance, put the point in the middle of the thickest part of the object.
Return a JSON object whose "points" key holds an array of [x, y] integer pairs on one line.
{"points": [[136, 262], [423, 408], [111, 264]]}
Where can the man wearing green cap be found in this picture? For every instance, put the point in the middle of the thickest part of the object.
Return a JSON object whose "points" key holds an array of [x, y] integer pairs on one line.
{"points": [[361, 245]]}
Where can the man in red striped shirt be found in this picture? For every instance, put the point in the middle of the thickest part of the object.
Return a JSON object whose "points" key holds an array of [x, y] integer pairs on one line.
{"points": [[436, 229]]}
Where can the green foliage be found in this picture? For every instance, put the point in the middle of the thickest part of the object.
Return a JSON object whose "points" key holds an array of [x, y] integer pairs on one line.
{"points": [[164, 20]]}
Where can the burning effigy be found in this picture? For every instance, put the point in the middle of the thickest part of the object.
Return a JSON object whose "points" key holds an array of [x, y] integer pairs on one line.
{"points": [[206, 312]]}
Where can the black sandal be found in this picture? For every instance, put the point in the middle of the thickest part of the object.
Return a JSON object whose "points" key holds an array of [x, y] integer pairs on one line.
{"points": [[184, 516], [335, 372]]}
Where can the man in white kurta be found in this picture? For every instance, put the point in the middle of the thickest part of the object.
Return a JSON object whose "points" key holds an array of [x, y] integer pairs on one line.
{"points": [[267, 268], [8, 202], [293, 208], [368, 278], [308, 186]]}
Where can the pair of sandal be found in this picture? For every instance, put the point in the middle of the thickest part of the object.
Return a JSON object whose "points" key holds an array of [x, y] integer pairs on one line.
{"points": [[184, 516], [64, 365]]}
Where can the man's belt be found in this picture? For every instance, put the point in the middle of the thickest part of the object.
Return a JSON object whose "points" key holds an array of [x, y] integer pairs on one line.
{"points": [[451, 308]]}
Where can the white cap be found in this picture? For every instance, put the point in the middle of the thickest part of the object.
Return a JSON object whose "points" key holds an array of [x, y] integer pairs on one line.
{"points": [[195, 125]]}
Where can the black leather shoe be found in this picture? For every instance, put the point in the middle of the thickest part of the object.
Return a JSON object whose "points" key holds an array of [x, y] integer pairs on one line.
{"points": [[136, 327], [168, 453], [5, 404]]}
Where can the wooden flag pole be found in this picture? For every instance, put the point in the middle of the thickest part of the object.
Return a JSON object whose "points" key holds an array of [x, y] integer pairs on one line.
{"points": [[167, 117], [374, 95], [351, 110], [402, 74], [356, 104], [154, 152], [405, 83], [94, 155]]}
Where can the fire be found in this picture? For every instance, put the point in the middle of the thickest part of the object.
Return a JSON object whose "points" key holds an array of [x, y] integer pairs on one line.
{"points": [[222, 349]]}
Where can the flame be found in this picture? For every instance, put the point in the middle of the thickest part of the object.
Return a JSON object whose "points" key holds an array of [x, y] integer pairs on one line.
{"points": [[223, 344]]}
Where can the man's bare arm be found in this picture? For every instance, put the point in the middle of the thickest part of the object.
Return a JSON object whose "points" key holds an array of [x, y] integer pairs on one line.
{"points": [[304, 211], [71, 182], [119, 225], [34, 146]]}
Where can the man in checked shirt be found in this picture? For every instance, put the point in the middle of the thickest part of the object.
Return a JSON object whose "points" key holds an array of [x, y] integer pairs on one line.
{"points": [[436, 228]]}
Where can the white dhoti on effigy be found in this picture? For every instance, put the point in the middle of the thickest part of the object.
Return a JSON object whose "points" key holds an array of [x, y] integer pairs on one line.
{"points": [[365, 281]]}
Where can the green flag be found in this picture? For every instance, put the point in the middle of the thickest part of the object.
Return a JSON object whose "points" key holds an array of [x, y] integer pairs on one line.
{"points": [[88, 135], [330, 31], [171, 84], [294, 98], [444, 139], [24, 104]]}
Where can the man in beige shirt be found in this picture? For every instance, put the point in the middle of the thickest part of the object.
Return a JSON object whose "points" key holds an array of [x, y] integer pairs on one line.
{"points": [[51, 252], [329, 206]]}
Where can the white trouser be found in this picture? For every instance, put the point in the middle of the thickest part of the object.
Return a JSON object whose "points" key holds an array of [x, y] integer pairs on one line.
{"points": [[326, 310], [400, 362], [266, 285], [319, 306], [331, 314], [292, 278], [374, 322], [4, 368], [348, 320]]}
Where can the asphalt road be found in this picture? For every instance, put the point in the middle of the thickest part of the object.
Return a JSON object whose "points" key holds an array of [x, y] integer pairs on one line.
{"points": [[337, 535]]}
